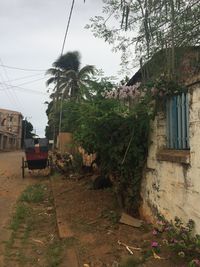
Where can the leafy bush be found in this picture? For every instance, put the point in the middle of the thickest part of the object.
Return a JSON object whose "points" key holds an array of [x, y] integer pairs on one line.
{"points": [[118, 132], [119, 136], [181, 240]]}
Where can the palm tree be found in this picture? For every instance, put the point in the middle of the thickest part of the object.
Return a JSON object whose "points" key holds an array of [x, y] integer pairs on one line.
{"points": [[70, 81]]}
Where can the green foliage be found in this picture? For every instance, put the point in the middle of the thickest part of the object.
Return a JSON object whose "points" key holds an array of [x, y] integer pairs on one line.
{"points": [[180, 238], [54, 254], [130, 261], [21, 215], [77, 162], [119, 136], [117, 132], [111, 215], [33, 193], [70, 116], [27, 130], [151, 26]]}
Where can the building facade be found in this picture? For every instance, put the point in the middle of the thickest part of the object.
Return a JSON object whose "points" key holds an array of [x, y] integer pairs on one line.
{"points": [[171, 184], [10, 129]]}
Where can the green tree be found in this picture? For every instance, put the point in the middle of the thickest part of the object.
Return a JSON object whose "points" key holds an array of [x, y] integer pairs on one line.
{"points": [[69, 80], [71, 108], [27, 130], [148, 26]]}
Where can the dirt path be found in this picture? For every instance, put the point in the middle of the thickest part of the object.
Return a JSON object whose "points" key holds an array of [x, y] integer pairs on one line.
{"points": [[11, 186], [96, 238]]}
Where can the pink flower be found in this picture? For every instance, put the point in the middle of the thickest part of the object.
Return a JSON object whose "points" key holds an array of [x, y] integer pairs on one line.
{"points": [[196, 261], [154, 244], [154, 232]]}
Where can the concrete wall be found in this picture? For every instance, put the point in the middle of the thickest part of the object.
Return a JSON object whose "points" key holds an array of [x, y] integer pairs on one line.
{"points": [[10, 129], [65, 142], [171, 182]]}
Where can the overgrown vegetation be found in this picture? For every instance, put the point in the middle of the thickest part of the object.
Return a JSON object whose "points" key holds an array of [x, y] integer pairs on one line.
{"points": [[146, 27], [180, 239], [33, 240], [119, 136], [34, 193], [115, 124]]}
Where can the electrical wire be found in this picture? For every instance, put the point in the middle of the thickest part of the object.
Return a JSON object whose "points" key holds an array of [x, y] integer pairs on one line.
{"points": [[62, 50], [24, 77], [26, 90], [32, 81], [10, 98], [67, 29], [12, 93], [23, 69]]}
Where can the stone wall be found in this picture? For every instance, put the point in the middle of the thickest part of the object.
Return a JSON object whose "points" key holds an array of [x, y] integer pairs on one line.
{"points": [[171, 182]]}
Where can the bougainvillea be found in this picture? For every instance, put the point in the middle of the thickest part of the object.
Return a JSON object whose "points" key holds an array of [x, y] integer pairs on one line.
{"points": [[125, 92], [158, 89]]}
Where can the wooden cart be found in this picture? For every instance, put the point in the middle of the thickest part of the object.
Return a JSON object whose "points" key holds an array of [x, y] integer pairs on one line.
{"points": [[36, 155]]}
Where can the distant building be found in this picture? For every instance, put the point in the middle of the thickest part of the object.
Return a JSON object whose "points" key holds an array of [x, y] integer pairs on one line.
{"points": [[10, 129]]}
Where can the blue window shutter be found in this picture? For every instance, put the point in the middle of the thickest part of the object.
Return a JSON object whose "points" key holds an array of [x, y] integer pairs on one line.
{"points": [[168, 123], [187, 121], [178, 122], [183, 112], [174, 122]]}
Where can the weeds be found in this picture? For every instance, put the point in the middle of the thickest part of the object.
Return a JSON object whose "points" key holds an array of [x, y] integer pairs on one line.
{"points": [[111, 215], [54, 254], [21, 215], [34, 193], [130, 262], [31, 226]]}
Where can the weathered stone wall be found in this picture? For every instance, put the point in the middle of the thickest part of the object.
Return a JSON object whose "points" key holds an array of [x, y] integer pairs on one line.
{"points": [[171, 182]]}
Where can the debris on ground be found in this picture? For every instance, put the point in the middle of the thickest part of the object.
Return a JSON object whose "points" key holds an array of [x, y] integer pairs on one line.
{"points": [[129, 248], [129, 220]]}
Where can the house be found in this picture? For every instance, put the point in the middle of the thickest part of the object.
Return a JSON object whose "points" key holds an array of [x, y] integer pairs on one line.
{"points": [[10, 129], [171, 179]]}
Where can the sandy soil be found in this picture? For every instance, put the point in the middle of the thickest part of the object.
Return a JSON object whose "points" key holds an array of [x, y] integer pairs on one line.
{"points": [[93, 215], [11, 186]]}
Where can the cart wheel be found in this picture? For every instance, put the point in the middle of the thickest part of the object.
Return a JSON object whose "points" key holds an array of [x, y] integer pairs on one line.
{"points": [[23, 167]]}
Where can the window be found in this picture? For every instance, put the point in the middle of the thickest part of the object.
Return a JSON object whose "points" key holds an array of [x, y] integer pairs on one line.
{"points": [[178, 122]]}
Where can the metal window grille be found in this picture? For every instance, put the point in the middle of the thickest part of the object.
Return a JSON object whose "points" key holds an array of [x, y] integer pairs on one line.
{"points": [[178, 122]]}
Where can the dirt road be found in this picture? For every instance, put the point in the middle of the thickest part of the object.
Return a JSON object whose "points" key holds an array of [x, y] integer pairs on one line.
{"points": [[11, 185]]}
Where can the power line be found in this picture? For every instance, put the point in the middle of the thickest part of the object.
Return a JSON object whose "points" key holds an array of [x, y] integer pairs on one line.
{"points": [[16, 100], [23, 69], [63, 46], [32, 81], [24, 77], [10, 97], [67, 29], [15, 87]]}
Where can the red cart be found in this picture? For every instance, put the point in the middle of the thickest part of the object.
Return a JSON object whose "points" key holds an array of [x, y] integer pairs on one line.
{"points": [[36, 151]]}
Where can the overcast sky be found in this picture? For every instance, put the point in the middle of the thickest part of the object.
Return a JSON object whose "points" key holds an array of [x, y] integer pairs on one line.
{"points": [[32, 33]]}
